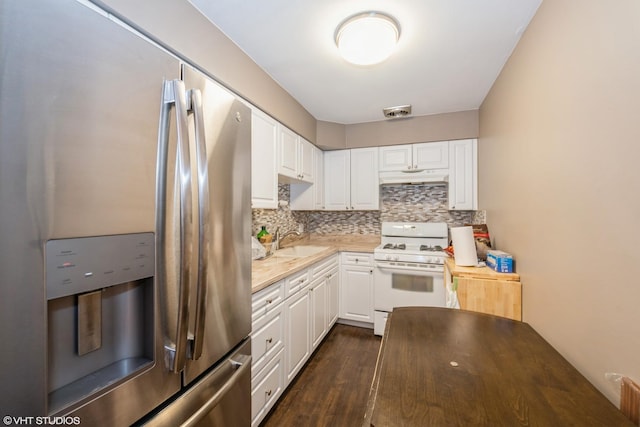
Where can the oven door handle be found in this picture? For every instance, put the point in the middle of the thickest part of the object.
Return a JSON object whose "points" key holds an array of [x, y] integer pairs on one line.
{"points": [[394, 267]]}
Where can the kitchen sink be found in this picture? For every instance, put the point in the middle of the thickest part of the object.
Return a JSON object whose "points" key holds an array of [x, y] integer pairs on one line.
{"points": [[299, 251]]}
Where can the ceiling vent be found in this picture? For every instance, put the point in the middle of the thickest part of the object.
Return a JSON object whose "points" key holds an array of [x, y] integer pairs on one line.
{"points": [[397, 112]]}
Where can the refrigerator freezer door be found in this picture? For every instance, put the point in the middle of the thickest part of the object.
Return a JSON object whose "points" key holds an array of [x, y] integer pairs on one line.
{"points": [[219, 399], [225, 238], [79, 116]]}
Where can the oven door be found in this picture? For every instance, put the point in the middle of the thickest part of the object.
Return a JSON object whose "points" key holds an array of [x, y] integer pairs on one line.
{"points": [[400, 284]]}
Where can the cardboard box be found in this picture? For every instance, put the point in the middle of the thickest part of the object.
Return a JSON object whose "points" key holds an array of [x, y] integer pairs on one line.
{"points": [[500, 261]]}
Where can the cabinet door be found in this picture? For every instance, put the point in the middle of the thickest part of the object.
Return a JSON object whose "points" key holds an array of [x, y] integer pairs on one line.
{"points": [[267, 339], [318, 179], [305, 161], [365, 189], [297, 340], [337, 191], [431, 155], [319, 321], [463, 182], [396, 158], [266, 387], [356, 294], [264, 178], [333, 297], [308, 197], [287, 152]]}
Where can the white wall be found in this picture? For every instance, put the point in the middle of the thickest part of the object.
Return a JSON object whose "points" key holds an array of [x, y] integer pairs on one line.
{"points": [[559, 153]]}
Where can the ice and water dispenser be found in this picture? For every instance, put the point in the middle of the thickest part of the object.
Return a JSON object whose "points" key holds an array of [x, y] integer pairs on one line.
{"points": [[100, 303]]}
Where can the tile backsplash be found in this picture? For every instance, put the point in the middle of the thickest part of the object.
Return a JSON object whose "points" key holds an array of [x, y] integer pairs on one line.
{"points": [[418, 203]]}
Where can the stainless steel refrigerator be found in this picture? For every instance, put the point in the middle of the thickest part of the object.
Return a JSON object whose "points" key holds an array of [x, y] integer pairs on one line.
{"points": [[124, 227]]}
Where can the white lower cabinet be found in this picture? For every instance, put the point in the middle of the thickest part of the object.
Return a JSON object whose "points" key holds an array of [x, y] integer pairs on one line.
{"points": [[356, 287], [333, 295], [289, 320], [297, 311], [319, 315], [266, 388], [267, 350]]}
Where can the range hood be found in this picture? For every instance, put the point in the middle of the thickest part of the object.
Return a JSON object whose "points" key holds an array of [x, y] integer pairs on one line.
{"points": [[424, 176]]}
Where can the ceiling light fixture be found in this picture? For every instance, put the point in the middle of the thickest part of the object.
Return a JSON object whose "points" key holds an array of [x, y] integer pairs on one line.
{"points": [[367, 38]]}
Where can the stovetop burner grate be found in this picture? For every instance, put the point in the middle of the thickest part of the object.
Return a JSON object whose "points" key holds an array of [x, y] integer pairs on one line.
{"points": [[400, 246], [428, 248]]}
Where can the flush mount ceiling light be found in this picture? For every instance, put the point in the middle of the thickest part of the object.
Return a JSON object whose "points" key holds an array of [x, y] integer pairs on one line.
{"points": [[367, 38]]}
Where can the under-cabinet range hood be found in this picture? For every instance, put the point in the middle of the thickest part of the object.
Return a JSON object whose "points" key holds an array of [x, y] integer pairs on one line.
{"points": [[424, 176]]}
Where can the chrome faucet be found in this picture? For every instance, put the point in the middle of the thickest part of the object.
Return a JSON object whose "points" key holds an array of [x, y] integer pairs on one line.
{"points": [[285, 235]]}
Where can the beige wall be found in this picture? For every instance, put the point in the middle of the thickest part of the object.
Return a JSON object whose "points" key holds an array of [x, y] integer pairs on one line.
{"points": [[560, 181], [203, 44], [436, 127]]}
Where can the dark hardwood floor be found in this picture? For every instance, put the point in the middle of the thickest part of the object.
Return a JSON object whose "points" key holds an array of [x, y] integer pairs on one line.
{"points": [[332, 389]]}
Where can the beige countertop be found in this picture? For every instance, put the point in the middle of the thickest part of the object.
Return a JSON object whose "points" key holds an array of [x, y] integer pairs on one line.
{"points": [[268, 271]]}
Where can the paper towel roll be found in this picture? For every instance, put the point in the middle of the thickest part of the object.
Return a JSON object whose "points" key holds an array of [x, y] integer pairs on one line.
{"points": [[464, 246]]}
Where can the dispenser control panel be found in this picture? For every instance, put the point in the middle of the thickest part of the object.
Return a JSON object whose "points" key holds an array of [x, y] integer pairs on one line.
{"points": [[88, 263]]}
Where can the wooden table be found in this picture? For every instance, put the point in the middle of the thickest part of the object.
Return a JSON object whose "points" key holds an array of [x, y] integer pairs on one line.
{"points": [[444, 367]]}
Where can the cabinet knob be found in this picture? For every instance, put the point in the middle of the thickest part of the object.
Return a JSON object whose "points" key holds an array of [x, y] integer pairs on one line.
{"points": [[269, 301], [268, 392], [357, 260], [269, 340]]}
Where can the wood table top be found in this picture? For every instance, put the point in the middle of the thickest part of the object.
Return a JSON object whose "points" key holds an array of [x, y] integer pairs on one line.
{"points": [[444, 367]]}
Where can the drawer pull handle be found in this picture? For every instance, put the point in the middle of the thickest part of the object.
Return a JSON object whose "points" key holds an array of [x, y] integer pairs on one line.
{"points": [[268, 392], [269, 301], [269, 340]]}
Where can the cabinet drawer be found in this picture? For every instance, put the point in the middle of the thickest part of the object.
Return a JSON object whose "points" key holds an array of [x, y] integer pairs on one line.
{"points": [[266, 339], [266, 388], [296, 282], [321, 269], [264, 301], [357, 258]]}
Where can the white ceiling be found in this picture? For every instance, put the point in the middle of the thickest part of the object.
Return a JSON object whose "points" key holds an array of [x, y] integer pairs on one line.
{"points": [[449, 54]]}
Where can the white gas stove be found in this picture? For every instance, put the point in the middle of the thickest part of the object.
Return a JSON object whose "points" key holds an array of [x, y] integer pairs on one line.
{"points": [[409, 268], [413, 243]]}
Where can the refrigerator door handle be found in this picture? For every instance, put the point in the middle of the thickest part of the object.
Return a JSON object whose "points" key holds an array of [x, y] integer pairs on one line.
{"points": [[175, 339], [241, 365], [195, 97]]}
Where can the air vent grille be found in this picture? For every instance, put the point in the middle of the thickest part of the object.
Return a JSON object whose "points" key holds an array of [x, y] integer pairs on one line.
{"points": [[397, 112]]}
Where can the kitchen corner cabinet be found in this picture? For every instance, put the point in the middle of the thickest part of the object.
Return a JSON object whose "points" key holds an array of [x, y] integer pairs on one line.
{"points": [[351, 179], [356, 290], [484, 290], [295, 157], [463, 175], [264, 180], [308, 197], [407, 157]]}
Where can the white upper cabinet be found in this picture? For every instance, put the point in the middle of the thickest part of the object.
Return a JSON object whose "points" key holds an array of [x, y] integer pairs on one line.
{"points": [[395, 158], [351, 179], [463, 175], [295, 156], [287, 152], [308, 197], [306, 157], [431, 155], [365, 189], [264, 182], [428, 155], [337, 180]]}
